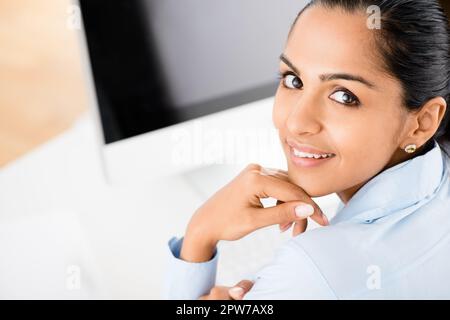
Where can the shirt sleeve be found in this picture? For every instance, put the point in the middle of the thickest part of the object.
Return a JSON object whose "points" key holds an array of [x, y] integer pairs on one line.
{"points": [[292, 275], [187, 280]]}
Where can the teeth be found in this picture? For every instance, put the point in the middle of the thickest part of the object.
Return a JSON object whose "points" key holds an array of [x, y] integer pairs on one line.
{"points": [[311, 155]]}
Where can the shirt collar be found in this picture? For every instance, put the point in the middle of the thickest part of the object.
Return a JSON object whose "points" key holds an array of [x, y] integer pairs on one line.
{"points": [[396, 188]]}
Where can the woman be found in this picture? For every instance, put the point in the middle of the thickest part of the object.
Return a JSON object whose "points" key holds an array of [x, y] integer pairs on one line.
{"points": [[365, 88]]}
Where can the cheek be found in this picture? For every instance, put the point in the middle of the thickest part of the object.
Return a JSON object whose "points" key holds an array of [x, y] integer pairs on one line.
{"points": [[279, 111], [364, 147], [363, 144], [365, 138]]}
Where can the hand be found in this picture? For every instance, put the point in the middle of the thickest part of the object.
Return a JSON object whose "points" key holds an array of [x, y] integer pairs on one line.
{"points": [[299, 226], [236, 210], [229, 293]]}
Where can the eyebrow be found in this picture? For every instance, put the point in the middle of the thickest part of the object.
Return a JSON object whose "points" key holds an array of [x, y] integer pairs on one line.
{"points": [[330, 76]]}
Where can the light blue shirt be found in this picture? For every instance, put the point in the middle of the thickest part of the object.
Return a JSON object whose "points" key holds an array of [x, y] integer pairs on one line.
{"points": [[390, 241]]}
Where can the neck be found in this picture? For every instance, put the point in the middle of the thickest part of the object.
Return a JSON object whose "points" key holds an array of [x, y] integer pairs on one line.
{"points": [[399, 156]]}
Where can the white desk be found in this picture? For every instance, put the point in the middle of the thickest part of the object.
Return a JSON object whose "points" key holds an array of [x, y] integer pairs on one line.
{"points": [[127, 226]]}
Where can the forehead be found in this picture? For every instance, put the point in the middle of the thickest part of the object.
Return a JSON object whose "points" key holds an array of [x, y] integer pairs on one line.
{"points": [[330, 40]]}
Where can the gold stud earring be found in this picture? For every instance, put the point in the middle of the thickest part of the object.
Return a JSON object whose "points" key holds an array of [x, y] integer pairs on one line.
{"points": [[410, 148]]}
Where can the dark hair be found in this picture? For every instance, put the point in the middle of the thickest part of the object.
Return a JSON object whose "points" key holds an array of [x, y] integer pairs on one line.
{"points": [[414, 44]]}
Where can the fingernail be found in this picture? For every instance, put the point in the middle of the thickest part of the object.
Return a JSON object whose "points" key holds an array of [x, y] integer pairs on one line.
{"points": [[325, 218], [304, 210], [236, 292]]}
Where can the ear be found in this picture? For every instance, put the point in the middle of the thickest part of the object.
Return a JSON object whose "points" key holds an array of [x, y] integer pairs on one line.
{"points": [[425, 122]]}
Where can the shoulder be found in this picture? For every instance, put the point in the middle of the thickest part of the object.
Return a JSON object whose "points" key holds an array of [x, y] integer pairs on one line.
{"points": [[323, 263], [292, 274]]}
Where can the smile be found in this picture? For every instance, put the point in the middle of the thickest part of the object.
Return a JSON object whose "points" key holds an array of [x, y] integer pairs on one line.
{"points": [[306, 159]]}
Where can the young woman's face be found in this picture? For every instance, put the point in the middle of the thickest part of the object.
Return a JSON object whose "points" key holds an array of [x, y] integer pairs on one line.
{"points": [[319, 105]]}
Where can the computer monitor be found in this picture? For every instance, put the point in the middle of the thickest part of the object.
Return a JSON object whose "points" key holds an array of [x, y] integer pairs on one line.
{"points": [[156, 67]]}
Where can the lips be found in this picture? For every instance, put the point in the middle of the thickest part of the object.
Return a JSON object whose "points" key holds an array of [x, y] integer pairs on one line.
{"points": [[307, 156], [306, 148], [308, 162]]}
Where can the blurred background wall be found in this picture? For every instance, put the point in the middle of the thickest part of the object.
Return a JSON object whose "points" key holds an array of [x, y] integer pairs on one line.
{"points": [[42, 91]]}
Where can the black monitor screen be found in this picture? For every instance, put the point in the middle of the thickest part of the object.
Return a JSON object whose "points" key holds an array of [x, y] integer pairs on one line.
{"points": [[157, 63]]}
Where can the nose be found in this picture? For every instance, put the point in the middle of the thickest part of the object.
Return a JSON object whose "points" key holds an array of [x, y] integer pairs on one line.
{"points": [[304, 117]]}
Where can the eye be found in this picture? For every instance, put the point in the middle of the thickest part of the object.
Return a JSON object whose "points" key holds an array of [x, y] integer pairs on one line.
{"points": [[345, 97], [290, 80]]}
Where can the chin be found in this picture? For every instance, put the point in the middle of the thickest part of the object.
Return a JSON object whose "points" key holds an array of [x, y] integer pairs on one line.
{"points": [[313, 189]]}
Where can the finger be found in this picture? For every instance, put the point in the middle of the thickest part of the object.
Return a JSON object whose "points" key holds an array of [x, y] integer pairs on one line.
{"points": [[286, 191], [282, 174], [286, 226], [283, 226], [299, 227], [272, 185], [318, 215], [281, 214], [239, 290]]}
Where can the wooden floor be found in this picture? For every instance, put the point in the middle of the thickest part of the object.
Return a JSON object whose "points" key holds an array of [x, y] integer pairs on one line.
{"points": [[41, 85]]}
